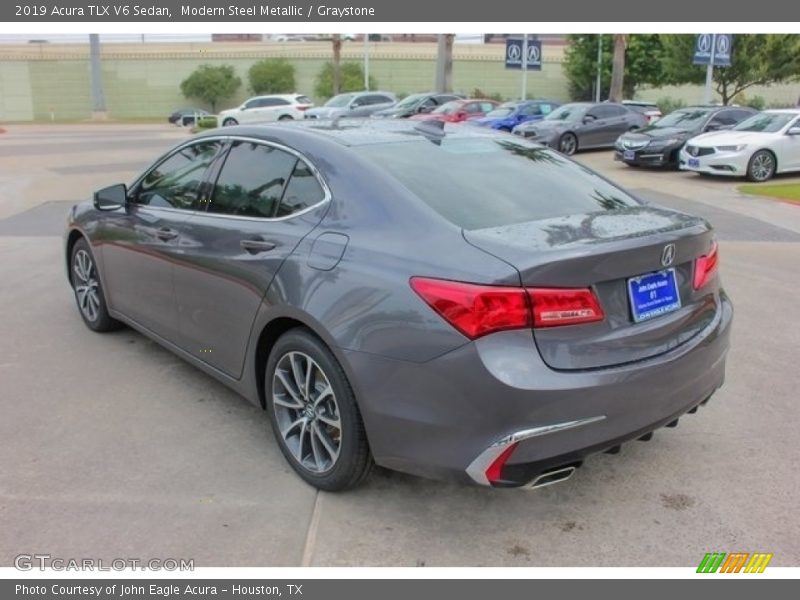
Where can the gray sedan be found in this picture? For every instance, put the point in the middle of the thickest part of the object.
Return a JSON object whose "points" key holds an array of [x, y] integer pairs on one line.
{"points": [[353, 104], [582, 126], [454, 304]]}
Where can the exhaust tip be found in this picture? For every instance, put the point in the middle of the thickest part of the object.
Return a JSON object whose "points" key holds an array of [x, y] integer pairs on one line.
{"points": [[551, 477]]}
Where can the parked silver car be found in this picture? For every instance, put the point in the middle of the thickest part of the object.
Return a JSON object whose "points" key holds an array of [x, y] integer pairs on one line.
{"points": [[353, 104]]}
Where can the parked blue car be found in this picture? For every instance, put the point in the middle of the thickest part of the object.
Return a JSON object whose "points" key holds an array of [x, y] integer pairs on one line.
{"points": [[507, 116]]}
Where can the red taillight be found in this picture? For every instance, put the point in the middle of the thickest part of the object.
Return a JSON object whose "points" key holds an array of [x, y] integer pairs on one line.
{"points": [[705, 266], [302, 106], [555, 306], [495, 471], [477, 310]]}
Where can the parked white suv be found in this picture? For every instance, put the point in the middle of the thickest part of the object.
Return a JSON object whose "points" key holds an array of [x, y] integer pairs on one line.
{"points": [[262, 109]]}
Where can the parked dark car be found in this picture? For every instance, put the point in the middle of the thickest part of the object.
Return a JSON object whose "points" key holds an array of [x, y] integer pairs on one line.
{"points": [[494, 315], [582, 126], [659, 144], [415, 104], [186, 116], [510, 114]]}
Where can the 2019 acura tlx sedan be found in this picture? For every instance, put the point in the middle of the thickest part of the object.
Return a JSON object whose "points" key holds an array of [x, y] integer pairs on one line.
{"points": [[452, 303]]}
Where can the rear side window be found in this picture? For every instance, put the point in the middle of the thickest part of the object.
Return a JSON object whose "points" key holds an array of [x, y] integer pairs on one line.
{"points": [[303, 100], [252, 180], [303, 191], [177, 182], [482, 182]]}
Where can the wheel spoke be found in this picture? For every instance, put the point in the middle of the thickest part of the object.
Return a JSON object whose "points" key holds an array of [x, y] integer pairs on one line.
{"points": [[300, 439], [297, 373], [290, 402], [289, 387], [331, 421], [327, 443], [326, 392], [315, 443], [79, 272], [292, 426]]}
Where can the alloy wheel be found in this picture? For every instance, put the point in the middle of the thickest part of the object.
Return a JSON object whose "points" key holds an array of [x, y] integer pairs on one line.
{"points": [[568, 144], [306, 412], [762, 166], [86, 284]]}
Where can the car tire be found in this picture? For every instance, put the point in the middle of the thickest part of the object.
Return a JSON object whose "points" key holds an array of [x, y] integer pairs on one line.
{"points": [[761, 166], [84, 278], [286, 118], [230, 122], [317, 424], [568, 144]]}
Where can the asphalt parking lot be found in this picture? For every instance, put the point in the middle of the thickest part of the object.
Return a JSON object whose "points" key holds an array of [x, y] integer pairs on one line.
{"points": [[114, 448]]}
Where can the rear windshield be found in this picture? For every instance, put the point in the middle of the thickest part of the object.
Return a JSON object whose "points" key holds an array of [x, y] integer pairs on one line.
{"points": [[480, 182]]}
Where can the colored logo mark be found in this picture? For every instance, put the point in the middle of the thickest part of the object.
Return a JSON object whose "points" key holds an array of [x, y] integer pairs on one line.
{"points": [[736, 562]]}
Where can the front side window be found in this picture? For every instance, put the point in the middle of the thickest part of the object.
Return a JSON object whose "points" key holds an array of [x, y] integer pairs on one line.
{"points": [[177, 182], [252, 180]]}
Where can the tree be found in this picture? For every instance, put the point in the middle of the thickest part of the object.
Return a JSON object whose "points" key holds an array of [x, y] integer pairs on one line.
{"points": [[337, 63], [352, 79], [618, 68], [211, 84], [272, 76], [758, 59], [444, 62], [642, 64]]}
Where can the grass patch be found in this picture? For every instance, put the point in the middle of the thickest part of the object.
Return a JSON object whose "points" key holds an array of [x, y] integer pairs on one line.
{"points": [[782, 191]]}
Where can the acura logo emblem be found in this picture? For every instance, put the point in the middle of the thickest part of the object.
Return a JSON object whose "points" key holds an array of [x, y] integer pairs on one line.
{"points": [[668, 255]]}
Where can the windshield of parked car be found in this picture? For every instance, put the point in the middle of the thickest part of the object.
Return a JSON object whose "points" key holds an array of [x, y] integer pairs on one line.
{"points": [[340, 100], [502, 111], [448, 108], [410, 101], [682, 119], [766, 122], [568, 112], [481, 182]]}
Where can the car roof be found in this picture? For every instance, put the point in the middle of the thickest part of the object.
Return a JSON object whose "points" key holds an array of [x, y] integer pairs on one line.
{"points": [[351, 132], [786, 111], [281, 96]]}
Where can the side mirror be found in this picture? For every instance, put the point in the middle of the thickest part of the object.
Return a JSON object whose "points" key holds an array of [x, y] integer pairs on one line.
{"points": [[461, 115], [712, 127], [111, 197], [793, 131], [589, 119], [355, 105], [425, 109]]}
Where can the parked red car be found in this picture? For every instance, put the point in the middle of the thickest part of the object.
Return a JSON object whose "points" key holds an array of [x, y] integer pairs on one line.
{"points": [[456, 111]]}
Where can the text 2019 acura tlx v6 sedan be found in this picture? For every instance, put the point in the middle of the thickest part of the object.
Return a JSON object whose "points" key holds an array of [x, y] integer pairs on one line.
{"points": [[454, 304]]}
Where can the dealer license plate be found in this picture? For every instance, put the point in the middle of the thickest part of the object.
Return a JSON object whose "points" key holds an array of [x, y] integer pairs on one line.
{"points": [[653, 294]]}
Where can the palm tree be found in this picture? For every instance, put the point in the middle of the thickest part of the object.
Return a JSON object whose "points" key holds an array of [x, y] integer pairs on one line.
{"points": [[618, 67], [337, 63], [444, 63]]}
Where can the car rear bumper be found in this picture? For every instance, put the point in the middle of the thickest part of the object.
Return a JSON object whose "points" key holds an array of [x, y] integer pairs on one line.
{"points": [[440, 418]]}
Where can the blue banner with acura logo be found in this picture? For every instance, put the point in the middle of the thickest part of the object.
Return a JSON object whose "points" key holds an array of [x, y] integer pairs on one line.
{"points": [[714, 48], [514, 52]]}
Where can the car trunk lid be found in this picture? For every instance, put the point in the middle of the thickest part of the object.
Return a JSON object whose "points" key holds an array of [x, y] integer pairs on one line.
{"points": [[603, 251]]}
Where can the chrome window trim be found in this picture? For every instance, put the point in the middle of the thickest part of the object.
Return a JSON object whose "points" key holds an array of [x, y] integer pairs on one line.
{"points": [[242, 138]]}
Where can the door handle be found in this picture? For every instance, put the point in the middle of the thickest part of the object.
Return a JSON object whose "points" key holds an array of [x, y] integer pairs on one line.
{"points": [[256, 246], [166, 234]]}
